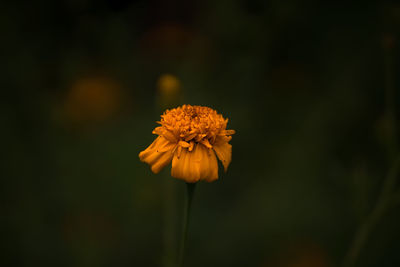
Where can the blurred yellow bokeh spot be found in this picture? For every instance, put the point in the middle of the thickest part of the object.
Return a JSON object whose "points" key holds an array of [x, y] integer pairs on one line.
{"points": [[168, 84], [169, 91]]}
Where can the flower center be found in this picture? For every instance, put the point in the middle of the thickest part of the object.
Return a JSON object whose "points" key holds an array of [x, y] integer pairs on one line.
{"points": [[188, 124]]}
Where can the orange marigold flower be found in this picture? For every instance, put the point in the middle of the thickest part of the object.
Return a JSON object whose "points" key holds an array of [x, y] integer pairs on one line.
{"points": [[190, 136]]}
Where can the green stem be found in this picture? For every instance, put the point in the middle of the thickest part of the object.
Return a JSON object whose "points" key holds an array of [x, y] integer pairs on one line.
{"points": [[190, 191], [169, 205]]}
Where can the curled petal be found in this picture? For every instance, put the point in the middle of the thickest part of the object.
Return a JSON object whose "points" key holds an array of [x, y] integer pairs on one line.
{"points": [[170, 136], [158, 154], [229, 132], [191, 146], [184, 144], [223, 138], [158, 130], [190, 136], [206, 143], [224, 153]]}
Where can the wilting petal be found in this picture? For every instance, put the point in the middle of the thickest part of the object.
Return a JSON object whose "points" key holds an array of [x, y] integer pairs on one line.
{"points": [[213, 175], [162, 161], [207, 162], [148, 155], [224, 153], [184, 166], [179, 162], [158, 154], [199, 164]]}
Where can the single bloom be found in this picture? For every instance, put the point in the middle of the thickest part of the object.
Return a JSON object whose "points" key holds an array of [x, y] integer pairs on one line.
{"points": [[192, 137]]}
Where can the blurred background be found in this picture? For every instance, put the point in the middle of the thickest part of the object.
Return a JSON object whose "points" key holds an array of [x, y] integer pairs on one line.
{"points": [[309, 86]]}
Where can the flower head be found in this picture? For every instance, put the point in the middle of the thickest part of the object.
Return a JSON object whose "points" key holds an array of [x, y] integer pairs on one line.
{"points": [[190, 137]]}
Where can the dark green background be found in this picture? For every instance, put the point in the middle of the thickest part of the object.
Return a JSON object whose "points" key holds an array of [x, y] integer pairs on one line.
{"points": [[302, 83]]}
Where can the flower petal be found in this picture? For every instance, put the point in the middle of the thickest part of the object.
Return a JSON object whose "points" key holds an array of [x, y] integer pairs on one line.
{"points": [[229, 132], [170, 136], [147, 154], [185, 166], [158, 154], [162, 161], [208, 164], [179, 162], [200, 164], [224, 153]]}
